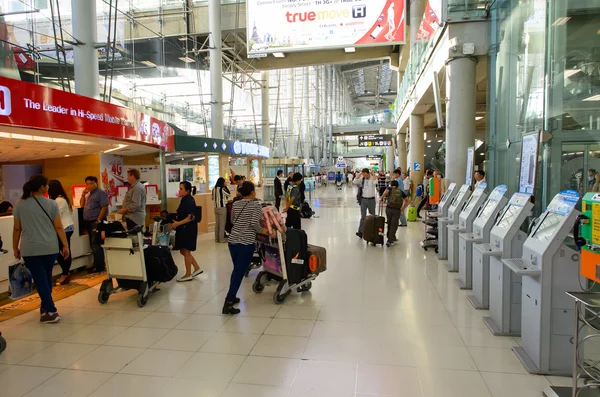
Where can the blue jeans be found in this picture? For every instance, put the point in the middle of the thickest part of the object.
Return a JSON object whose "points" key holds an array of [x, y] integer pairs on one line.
{"points": [[41, 271], [241, 255]]}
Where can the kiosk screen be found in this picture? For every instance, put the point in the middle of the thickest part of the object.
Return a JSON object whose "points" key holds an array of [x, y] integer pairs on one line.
{"points": [[508, 216], [487, 210], [547, 226], [471, 203]]}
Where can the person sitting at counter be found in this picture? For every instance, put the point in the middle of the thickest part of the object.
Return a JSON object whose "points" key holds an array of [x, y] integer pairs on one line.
{"points": [[36, 232], [187, 231], [57, 193], [134, 204], [94, 202], [6, 208]]}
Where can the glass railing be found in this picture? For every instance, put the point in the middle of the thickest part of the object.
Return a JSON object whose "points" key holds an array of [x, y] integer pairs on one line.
{"points": [[461, 10]]}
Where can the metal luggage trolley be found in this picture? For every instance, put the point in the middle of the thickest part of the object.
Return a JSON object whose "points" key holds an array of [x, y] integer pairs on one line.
{"points": [[277, 272], [125, 262]]}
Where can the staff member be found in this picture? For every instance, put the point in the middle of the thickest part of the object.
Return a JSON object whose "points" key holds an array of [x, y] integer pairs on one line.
{"points": [[94, 202], [278, 189], [134, 204], [368, 181], [479, 178], [293, 203]]}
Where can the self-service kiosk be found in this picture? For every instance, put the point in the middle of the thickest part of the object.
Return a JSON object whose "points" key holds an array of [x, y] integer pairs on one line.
{"points": [[549, 269], [506, 241], [465, 224], [482, 224], [432, 217], [453, 211], [477, 276]]}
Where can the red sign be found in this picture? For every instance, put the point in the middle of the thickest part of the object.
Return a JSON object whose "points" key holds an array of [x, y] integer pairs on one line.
{"points": [[35, 106]]}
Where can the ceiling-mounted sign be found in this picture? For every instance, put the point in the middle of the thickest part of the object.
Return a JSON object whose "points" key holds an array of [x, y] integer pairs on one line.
{"points": [[374, 140], [249, 149], [295, 25], [374, 157]]}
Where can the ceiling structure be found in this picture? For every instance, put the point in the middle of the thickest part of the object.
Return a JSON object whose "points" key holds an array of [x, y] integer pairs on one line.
{"points": [[372, 84]]}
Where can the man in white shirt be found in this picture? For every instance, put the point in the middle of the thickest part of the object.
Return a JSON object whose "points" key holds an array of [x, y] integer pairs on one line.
{"points": [[368, 181], [479, 178], [406, 184]]}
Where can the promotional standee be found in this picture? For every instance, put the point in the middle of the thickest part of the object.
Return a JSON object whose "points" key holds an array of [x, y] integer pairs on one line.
{"points": [[506, 241], [549, 269], [477, 272], [278, 26], [454, 209], [465, 225], [441, 212]]}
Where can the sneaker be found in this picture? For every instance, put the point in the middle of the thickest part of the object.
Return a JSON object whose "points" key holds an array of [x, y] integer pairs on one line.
{"points": [[49, 318], [197, 273], [388, 244]]}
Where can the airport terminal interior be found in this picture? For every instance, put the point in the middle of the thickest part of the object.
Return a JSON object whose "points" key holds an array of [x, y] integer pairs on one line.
{"points": [[417, 184]]}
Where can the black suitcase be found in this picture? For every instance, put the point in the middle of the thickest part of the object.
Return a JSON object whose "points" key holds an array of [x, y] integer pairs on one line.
{"points": [[374, 229], [160, 266], [296, 255]]}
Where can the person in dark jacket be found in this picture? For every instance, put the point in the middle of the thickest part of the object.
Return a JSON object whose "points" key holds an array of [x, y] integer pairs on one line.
{"points": [[288, 181], [187, 231], [278, 189], [302, 188]]}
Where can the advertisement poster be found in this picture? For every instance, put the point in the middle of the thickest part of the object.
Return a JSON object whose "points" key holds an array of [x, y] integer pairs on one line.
{"points": [[112, 175], [173, 175], [529, 155], [150, 173], [188, 175], [431, 21], [285, 26], [76, 193], [254, 172], [213, 171], [470, 164]]}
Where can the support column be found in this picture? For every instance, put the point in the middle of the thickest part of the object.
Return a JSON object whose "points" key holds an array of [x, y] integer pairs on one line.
{"points": [[216, 69], [417, 148], [292, 95], [460, 117], [325, 104], [331, 110], [306, 113], [389, 159], [265, 97], [317, 113], [85, 56], [402, 155], [163, 179]]}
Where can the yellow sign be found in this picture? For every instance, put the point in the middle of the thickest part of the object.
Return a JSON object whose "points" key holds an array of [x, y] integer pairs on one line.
{"points": [[596, 224]]}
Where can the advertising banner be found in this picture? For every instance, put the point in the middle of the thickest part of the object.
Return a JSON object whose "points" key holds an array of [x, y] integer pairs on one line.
{"points": [[213, 171], [112, 175], [470, 164], [299, 25], [432, 20], [529, 156], [35, 106]]}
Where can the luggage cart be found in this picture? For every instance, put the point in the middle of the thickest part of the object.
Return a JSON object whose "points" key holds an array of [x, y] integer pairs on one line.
{"points": [[124, 253], [256, 262], [277, 273], [431, 231]]}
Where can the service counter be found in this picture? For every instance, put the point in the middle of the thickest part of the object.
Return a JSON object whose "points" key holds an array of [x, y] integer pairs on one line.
{"points": [[80, 249]]}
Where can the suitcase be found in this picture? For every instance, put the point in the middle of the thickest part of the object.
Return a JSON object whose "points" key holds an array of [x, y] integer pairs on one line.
{"points": [[317, 259], [411, 215], [374, 228], [160, 265], [296, 255]]}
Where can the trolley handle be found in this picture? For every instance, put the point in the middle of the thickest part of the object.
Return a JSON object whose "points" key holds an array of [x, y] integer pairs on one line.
{"points": [[579, 241]]}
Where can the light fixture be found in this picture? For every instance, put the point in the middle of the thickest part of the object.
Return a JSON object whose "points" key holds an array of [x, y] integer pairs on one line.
{"points": [[31, 72], [571, 72], [592, 98], [148, 63], [279, 55], [198, 158], [424, 136], [478, 118], [182, 38], [350, 49], [440, 140], [428, 145], [119, 147], [67, 155], [561, 21], [187, 59], [429, 141]]}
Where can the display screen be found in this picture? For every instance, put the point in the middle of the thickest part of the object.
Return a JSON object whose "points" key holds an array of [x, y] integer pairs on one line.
{"points": [[487, 210], [547, 226], [508, 217], [471, 203]]}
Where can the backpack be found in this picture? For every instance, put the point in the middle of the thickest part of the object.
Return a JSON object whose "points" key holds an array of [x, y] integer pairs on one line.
{"points": [[305, 211], [395, 198], [420, 190]]}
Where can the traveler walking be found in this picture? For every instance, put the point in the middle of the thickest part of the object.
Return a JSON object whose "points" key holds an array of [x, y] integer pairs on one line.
{"points": [[278, 189], [186, 235], [396, 204], [57, 193], [220, 196], [367, 181]]}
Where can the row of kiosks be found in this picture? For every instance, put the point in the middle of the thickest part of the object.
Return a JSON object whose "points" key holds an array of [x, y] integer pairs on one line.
{"points": [[464, 225], [480, 234], [454, 210], [434, 216]]}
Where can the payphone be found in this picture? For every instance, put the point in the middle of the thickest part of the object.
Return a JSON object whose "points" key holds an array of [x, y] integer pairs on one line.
{"points": [[453, 212]]}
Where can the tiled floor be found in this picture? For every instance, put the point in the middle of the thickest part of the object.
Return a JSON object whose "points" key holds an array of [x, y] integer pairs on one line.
{"points": [[379, 322]]}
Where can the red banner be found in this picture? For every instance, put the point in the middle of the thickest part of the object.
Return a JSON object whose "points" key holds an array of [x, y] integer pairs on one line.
{"points": [[35, 106]]}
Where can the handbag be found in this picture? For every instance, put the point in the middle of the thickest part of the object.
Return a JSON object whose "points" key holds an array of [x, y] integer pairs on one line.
{"points": [[20, 281]]}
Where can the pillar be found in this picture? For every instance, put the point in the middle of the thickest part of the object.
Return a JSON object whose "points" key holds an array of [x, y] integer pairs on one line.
{"points": [[306, 113], [417, 9], [317, 118], [402, 155], [163, 178], [325, 104], [265, 97], [389, 159], [417, 148], [85, 55], [216, 69], [331, 110], [460, 117], [292, 95]]}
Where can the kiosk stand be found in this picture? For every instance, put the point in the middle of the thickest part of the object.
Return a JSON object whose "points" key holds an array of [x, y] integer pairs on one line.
{"points": [[506, 241], [549, 269], [453, 212], [478, 276], [432, 216], [465, 224]]}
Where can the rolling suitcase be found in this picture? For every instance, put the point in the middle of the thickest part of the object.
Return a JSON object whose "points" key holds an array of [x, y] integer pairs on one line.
{"points": [[411, 214], [374, 228], [317, 259], [296, 255]]}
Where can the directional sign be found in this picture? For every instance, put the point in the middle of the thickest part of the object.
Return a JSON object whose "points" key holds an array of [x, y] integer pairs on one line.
{"points": [[374, 140]]}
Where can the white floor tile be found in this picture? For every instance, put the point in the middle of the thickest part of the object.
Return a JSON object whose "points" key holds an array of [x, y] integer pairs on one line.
{"points": [[489, 359], [21, 349], [332, 349], [211, 367], [181, 306], [164, 363], [245, 390], [130, 386], [107, 359], [452, 383], [290, 327], [298, 312], [19, 380], [71, 383], [513, 385], [246, 325], [479, 337], [280, 346], [162, 320], [383, 351], [42, 332], [187, 387], [95, 334], [226, 343], [324, 378], [203, 322], [267, 371], [184, 340], [138, 337], [84, 316], [445, 357], [259, 310], [388, 381], [122, 318], [59, 355]]}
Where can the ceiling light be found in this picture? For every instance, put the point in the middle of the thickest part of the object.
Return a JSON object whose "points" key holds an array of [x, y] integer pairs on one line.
{"points": [[31, 72], [186, 59], [67, 155], [119, 146], [482, 154], [571, 72], [350, 49], [22, 136], [148, 63], [424, 136], [561, 21], [440, 140], [428, 145], [42, 139], [429, 141], [478, 118], [592, 98], [182, 38], [198, 158], [279, 55]]}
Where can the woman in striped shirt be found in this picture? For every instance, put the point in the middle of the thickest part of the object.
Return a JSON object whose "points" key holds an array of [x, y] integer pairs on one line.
{"points": [[245, 216], [220, 196]]}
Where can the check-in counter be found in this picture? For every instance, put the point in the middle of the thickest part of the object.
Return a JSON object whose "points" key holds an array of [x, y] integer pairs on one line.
{"points": [[80, 249]]}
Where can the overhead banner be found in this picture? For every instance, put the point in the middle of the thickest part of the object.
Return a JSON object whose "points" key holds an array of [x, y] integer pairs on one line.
{"points": [[295, 25], [529, 157], [432, 20], [470, 164]]}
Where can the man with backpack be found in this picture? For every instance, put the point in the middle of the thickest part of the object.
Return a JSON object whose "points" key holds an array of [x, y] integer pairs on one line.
{"points": [[396, 204]]}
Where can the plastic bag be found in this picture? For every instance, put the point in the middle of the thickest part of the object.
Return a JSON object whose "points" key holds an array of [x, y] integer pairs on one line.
{"points": [[20, 281]]}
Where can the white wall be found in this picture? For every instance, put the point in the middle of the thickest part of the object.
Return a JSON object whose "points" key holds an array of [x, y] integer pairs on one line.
{"points": [[14, 177]]}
